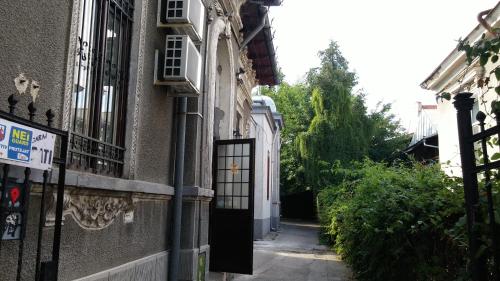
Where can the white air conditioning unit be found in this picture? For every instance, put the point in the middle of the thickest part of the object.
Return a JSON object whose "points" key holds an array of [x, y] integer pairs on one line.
{"points": [[184, 16], [181, 66]]}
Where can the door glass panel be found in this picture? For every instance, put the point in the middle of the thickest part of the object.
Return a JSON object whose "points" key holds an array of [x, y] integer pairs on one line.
{"points": [[244, 189], [220, 176], [236, 202], [244, 203], [221, 150], [244, 176], [233, 176], [237, 161], [221, 162], [229, 176], [230, 150], [238, 149], [220, 189], [229, 189], [237, 177], [237, 189], [246, 149], [245, 163], [220, 202], [229, 162], [228, 202]]}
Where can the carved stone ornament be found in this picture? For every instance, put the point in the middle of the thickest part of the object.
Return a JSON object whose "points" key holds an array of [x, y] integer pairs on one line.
{"points": [[246, 130], [90, 211], [215, 10], [250, 74]]}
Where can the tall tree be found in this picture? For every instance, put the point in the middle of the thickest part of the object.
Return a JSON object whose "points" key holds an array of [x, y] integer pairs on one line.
{"points": [[328, 126], [340, 129], [293, 102]]}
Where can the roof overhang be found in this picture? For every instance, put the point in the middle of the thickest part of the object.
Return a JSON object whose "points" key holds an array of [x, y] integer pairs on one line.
{"points": [[260, 48], [423, 143], [265, 110], [453, 65]]}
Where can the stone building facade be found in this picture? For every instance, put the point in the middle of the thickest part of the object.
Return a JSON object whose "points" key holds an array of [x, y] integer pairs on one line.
{"points": [[95, 69]]}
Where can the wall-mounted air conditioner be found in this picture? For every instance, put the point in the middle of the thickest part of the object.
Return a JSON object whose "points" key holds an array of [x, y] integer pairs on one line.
{"points": [[179, 66], [184, 16]]}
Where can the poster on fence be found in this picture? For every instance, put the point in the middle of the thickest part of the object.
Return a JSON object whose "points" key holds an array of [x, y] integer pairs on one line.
{"points": [[12, 207], [25, 146]]}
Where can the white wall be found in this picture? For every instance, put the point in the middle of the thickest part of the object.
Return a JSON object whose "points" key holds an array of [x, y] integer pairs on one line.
{"points": [[449, 151], [263, 134]]}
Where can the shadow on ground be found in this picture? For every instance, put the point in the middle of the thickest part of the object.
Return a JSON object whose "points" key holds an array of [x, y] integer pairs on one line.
{"points": [[294, 254]]}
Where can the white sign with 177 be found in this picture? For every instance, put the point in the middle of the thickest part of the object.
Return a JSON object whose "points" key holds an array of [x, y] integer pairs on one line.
{"points": [[25, 146]]}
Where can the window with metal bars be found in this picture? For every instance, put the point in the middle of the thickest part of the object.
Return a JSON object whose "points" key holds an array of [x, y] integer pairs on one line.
{"points": [[98, 106]]}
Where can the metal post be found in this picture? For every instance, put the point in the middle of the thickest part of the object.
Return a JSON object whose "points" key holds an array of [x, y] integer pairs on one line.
{"points": [[463, 103], [59, 206], [178, 184]]}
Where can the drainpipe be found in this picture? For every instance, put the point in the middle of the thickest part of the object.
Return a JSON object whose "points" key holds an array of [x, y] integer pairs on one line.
{"points": [[264, 23], [484, 23], [178, 185], [430, 145], [173, 270]]}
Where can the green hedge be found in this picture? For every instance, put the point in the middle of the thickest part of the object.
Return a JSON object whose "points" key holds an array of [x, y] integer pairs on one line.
{"points": [[396, 223]]}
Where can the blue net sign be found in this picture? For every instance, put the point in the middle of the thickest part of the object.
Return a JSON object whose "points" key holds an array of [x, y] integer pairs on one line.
{"points": [[19, 144], [25, 146]]}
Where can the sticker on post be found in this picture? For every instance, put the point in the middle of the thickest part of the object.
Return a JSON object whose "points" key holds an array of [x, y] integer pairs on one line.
{"points": [[12, 227]]}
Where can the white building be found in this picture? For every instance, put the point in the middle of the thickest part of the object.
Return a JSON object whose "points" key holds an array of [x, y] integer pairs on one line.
{"points": [[454, 75], [265, 128], [424, 142]]}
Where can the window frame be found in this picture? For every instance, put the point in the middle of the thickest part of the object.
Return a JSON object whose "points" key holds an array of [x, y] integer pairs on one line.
{"points": [[98, 103]]}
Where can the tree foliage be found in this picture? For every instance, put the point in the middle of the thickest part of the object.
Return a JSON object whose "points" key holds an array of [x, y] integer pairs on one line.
{"points": [[293, 102], [327, 125]]}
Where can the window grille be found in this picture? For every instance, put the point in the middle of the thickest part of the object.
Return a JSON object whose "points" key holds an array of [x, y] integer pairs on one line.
{"points": [[101, 80], [175, 9], [233, 176], [173, 58]]}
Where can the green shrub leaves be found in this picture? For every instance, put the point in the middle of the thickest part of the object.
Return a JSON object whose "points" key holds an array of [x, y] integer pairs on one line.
{"points": [[396, 223]]}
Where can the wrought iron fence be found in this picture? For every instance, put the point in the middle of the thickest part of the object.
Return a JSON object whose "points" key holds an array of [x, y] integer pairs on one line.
{"points": [[482, 228], [46, 270]]}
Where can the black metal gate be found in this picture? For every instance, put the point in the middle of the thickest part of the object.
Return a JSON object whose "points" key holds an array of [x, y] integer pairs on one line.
{"points": [[232, 209], [482, 228], [14, 216]]}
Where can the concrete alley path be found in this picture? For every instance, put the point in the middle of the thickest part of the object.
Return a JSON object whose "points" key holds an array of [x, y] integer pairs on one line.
{"points": [[295, 255]]}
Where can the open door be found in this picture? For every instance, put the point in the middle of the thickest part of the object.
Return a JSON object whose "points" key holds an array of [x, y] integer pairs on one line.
{"points": [[232, 209]]}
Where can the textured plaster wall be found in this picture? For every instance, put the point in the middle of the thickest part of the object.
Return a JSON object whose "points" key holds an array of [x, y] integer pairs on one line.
{"points": [[34, 38], [156, 117], [85, 252]]}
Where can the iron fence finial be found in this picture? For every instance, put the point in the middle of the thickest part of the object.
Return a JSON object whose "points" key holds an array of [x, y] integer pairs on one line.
{"points": [[481, 116], [50, 117], [12, 103], [32, 110]]}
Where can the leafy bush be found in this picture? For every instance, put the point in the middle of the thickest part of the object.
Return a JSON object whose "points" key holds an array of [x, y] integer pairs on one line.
{"points": [[396, 223]]}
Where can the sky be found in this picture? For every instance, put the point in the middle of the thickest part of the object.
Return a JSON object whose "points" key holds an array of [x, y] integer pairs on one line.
{"points": [[392, 45]]}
